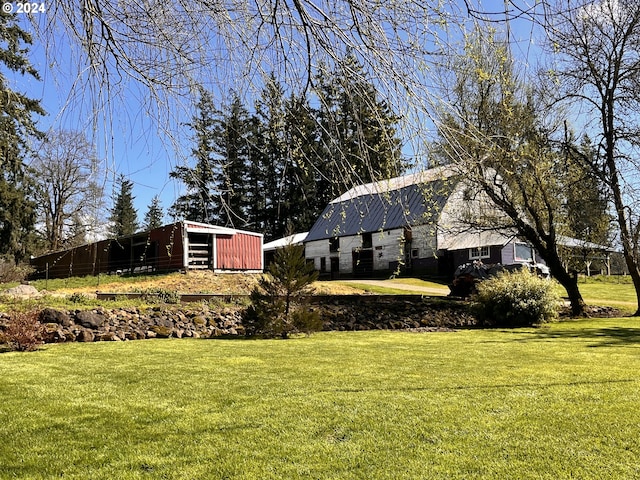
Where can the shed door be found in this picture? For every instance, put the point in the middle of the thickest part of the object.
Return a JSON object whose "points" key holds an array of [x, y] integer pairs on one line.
{"points": [[200, 250]]}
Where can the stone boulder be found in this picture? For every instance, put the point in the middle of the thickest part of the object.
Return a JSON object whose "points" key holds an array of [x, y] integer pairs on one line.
{"points": [[23, 291], [51, 315], [90, 319], [85, 336]]}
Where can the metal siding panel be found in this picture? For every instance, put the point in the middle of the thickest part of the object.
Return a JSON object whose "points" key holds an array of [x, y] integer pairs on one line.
{"points": [[239, 252], [170, 246]]}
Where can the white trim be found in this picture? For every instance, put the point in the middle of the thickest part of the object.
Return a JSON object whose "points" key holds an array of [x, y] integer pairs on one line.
{"points": [[480, 250], [214, 252], [185, 248]]}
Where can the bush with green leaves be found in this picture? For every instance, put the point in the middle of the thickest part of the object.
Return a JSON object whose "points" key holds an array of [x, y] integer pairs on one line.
{"points": [[23, 332], [514, 299], [278, 307]]}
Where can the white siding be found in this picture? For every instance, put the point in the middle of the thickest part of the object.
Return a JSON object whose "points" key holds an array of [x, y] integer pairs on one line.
{"points": [[425, 240], [347, 244], [316, 250], [507, 254], [386, 248]]}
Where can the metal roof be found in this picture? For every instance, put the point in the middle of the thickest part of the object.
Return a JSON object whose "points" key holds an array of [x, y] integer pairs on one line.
{"points": [[377, 208], [295, 239], [476, 239]]}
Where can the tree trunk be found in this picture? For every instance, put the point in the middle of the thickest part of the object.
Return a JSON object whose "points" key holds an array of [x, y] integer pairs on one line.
{"points": [[570, 283], [634, 272]]}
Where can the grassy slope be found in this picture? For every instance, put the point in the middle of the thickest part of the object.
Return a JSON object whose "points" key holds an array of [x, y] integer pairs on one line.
{"points": [[557, 402]]}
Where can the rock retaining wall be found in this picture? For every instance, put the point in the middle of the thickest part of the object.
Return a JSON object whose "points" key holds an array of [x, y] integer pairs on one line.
{"points": [[206, 321]]}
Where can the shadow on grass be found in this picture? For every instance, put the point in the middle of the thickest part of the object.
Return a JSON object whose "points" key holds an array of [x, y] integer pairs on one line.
{"points": [[602, 337], [491, 386]]}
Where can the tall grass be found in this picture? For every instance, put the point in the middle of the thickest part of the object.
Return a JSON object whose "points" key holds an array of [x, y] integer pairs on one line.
{"points": [[550, 403]]}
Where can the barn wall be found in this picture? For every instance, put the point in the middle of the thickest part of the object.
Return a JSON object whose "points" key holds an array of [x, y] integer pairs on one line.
{"points": [[238, 252], [84, 260], [387, 249], [316, 250], [159, 249], [169, 244]]}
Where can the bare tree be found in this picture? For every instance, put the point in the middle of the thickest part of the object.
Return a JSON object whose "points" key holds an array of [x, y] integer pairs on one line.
{"points": [[64, 168], [497, 136], [596, 48]]}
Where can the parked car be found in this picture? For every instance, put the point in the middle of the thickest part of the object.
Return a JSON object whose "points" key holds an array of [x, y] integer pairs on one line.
{"points": [[468, 275]]}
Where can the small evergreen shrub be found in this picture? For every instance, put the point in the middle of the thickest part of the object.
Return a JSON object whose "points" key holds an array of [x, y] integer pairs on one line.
{"points": [[514, 299], [160, 295], [80, 298], [278, 308], [23, 332]]}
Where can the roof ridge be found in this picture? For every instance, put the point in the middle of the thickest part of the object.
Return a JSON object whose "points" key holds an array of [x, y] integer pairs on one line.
{"points": [[396, 183]]}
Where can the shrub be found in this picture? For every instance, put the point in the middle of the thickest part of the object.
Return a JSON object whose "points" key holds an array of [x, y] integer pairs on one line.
{"points": [[517, 298], [160, 295], [23, 332], [80, 298], [10, 272], [277, 302]]}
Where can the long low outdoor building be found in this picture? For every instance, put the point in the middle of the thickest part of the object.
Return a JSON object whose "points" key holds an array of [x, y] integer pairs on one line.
{"points": [[183, 245]]}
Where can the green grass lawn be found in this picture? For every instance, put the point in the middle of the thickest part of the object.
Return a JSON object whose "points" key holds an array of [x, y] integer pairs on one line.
{"points": [[619, 295], [549, 403]]}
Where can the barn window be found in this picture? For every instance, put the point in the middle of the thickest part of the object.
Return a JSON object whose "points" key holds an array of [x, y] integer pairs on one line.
{"points": [[334, 244], [367, 240], [477, 253], [415, 253]]}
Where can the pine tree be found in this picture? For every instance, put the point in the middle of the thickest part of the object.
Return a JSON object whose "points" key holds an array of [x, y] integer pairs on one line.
{"points": [[358, 129], [17, 209], [255, 176], [587, 217], [154, 216], [199, 203], [232, 144], [124, 218], [300, 206], [278, 307], [270, 112]]}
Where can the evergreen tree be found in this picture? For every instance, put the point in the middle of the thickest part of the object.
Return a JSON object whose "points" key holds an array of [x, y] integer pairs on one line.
{"points": [[232, 144], [587, 217], [277, 303], [255, 176], [330, 180], [199, 203], [358, 129], [154, 216], [270, 112], [124, 218], [301, 209], [17, 209]]}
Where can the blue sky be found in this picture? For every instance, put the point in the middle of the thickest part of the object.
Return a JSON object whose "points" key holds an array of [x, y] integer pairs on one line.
{"points": [[135, 142], [132, 144]]}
